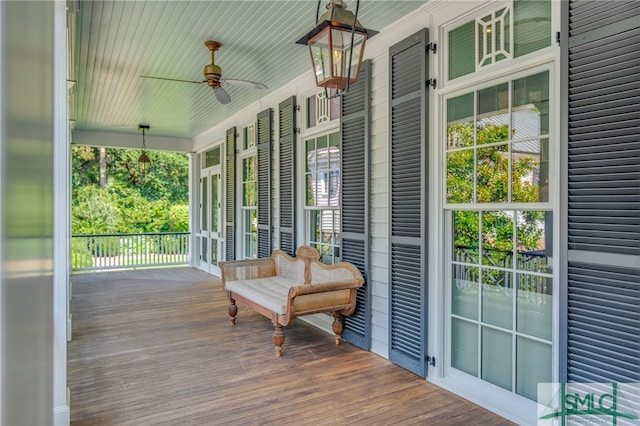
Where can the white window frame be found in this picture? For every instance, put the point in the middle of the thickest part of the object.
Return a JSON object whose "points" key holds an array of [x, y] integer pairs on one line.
{"points": [[445, 19], [334, 256], [250, 151], [204, 171], [505, 66], [319, 130], [495, 50], [322, 125]]}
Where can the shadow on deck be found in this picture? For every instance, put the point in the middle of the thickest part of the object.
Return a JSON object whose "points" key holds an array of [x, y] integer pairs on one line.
{"points": [[156, 347]]}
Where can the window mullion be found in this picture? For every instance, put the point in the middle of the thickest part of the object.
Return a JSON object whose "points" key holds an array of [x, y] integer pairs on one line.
{"points": [[481, 269], [510, 141], [475, 146]]}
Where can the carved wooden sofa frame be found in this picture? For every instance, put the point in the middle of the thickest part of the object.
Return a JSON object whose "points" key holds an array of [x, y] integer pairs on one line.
{"points": [[282, 288]]}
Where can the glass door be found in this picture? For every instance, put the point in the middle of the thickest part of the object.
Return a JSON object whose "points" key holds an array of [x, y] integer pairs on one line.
{"points": [[215, 233], [203, 234], [210, 236]]}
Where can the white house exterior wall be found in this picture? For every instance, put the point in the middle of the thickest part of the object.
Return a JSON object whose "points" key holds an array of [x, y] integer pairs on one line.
{"points": [[377, 50], [432, 15]]}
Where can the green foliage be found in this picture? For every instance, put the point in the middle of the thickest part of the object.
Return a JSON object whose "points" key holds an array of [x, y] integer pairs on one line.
{"points": [[94, 211], [85, 163], [491, 178], [130, 202], [493, 174], [528, 232], [179, 218], [166, 179], [139, 213], [492, 167], [81, 256]]}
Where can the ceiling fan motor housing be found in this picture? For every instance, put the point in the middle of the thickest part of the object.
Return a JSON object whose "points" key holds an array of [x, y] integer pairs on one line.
{"points": [[212, 73]]}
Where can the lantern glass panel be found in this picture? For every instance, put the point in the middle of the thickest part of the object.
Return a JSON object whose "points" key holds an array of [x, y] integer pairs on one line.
{"points": [[341, 53], [320, 56]]}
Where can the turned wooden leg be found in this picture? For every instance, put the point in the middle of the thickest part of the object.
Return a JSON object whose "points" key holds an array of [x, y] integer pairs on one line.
{"points": [[337, 326], [278, 339], [233, 311]]}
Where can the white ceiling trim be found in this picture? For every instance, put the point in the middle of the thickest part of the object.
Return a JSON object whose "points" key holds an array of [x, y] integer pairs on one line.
{"points": [[126, 140]]}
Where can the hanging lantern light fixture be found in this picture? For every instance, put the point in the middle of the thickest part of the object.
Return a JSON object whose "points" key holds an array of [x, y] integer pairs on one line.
{"points": [[336, 46], [143, 160]]}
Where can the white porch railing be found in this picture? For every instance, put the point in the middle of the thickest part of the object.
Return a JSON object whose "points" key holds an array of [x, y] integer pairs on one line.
{"points": [[99, 252]]}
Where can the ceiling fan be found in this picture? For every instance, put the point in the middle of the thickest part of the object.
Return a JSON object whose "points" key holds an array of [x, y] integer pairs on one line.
{"points": [[213, 77]]}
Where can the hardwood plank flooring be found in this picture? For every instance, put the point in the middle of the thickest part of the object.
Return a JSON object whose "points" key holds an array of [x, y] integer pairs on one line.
{"points": [[156, 347]]}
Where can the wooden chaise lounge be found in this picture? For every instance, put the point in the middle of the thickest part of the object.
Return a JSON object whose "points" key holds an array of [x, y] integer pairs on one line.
{"points": [[282, 288]]}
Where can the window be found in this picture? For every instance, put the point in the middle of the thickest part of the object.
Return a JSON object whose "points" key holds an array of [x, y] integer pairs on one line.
{"points": [[249, 209], [505, 33], [494, 37], [249, 137], [501, 287], [249, 204], [211, 158], [322, 202], [501, 297], [321, 109], [498, 152]]}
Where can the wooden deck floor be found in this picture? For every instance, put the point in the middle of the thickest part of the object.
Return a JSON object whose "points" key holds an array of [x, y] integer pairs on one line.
{"points": [[155, 347]]}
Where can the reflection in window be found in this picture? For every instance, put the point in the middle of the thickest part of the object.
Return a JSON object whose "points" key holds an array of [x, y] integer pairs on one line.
{"points": [[212, 157], [461, 50], [503, 34], [532, 26], [249, 136], [323, 180], [321, 109], [492, 174], [503, 287], [485, 238], [499, 151], [533, 240], [250, 233], [249, 209]]}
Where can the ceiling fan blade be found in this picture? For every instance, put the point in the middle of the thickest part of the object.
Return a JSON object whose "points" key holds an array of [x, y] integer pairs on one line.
{"points": [[173, 79], [221, 95], [243, 83]]}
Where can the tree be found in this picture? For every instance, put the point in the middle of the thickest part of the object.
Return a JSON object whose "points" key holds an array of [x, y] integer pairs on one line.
{"points": [[110, 196], [94, 211], [85, 167]]}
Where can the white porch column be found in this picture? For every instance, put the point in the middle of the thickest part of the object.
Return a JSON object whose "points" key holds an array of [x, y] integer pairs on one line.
{"points": [[61, 214], [194, 207]]}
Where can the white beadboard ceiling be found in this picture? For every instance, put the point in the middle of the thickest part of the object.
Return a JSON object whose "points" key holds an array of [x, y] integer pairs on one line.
{"points": [[115, 42]]}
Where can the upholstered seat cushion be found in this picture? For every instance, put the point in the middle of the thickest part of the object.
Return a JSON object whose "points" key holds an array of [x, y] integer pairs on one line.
{"points": [[270, 292]]}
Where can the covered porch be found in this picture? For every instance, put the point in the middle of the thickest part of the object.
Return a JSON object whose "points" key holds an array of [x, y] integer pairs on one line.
{"points": [[155, 347]]}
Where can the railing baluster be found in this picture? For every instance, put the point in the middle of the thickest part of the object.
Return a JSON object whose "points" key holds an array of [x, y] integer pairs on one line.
{"points": [[128, 251]]}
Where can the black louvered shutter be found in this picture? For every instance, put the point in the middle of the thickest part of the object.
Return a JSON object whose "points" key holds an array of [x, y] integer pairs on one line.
{"points": [[601, 302], [264, 139], [408, 205], [230, 211], [287, 135], [355, 119]]}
